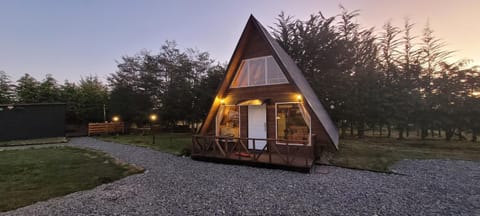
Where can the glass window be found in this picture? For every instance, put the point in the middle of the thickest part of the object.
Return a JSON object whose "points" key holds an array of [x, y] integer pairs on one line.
{"points": [[228, 123], [292, 123], [257, 72], [241, 79], [274, 73]]}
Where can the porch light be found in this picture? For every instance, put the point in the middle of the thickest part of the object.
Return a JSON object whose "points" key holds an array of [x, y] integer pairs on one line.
{"points": [[476, 94], [250, 102], [115, 118], [299, 97], [222, 101]]}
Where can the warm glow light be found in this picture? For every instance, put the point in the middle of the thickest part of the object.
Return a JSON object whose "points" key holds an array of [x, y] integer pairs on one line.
{"points": [[153, 117], [115, 118], [476, 94], [299, 97], [222, 101], [250, 102]]}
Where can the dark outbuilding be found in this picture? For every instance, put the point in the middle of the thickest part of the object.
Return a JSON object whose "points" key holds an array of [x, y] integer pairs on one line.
{"points": [[31, 121]]}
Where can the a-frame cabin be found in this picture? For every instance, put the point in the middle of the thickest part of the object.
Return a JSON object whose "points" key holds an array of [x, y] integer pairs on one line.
{"points": [[265, 112]]}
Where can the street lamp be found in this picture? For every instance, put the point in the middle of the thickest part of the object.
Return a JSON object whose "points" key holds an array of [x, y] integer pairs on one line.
{"points": [[153, 118]]}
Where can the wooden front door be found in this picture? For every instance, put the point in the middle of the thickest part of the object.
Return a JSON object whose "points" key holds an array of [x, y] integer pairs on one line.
{"points": [[257, 125]]}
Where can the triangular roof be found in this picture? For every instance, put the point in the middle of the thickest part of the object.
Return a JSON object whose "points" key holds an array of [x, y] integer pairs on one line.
{"points": [[289, 67]]}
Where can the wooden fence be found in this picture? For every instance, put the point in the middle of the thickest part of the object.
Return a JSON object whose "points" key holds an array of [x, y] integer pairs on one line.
{"points": [[106, 128]]}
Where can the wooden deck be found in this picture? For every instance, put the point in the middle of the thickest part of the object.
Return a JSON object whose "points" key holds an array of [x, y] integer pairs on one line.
{"points": [[230, 150]]}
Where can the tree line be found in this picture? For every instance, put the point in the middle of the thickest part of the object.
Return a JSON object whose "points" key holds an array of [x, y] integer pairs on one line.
{"points": [[177, 85], [387, 79], [382, 80], [84, 100]]}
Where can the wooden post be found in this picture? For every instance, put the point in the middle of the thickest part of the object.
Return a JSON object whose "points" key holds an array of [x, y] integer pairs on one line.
{"points": [[238, 142], [288, 154], [253, 151], [269, 152], [306, 157], [253, 144]]}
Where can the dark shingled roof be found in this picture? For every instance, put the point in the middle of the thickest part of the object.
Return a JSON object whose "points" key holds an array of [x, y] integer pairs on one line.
{"points": [[301, 83]]}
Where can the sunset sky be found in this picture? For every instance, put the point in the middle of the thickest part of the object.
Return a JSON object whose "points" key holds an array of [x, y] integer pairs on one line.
{"points": [[71, 39]]}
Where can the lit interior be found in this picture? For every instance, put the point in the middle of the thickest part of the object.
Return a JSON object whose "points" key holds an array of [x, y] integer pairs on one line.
{"points": [[258, 71]]}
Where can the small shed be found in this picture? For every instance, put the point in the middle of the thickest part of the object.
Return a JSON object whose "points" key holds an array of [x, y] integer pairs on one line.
{"points": [[265, 111], [32, 121]]}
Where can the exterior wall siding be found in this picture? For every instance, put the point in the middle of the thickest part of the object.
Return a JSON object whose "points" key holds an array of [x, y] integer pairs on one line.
{"points": [[272, 94]]}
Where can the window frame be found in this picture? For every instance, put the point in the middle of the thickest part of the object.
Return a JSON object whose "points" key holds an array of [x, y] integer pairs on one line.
{"points": [[276, 126], [246, 64], [217, 123]]}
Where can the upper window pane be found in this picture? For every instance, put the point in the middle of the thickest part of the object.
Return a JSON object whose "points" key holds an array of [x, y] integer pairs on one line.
{"points": [[275, 74], [256, 70], [241, 79]]}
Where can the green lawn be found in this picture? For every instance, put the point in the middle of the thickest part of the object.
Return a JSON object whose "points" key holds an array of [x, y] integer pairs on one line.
{"points": [[378, 154], [51, 140], [31, 175], [174, 143]]}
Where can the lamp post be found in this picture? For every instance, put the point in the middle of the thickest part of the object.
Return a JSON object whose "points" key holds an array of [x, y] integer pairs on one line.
{"points": [[153, 118], [115, 119]]}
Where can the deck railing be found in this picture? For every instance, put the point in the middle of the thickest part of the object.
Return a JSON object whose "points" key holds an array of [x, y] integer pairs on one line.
{"points": [[297, 153]]}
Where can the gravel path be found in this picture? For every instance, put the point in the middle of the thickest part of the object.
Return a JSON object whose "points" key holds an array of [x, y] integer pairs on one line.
{"points": [[180, 186]]}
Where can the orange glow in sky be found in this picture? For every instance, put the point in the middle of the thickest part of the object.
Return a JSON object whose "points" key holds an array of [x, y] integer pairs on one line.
{"points": [[457, 23], [71, 39]]}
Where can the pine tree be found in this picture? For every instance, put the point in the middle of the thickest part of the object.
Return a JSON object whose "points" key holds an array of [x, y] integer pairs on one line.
{"points": [[27, 89], [6, 89]]}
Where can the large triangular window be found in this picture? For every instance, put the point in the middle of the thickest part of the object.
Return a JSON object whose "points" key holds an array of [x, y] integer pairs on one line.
{"points": [[257, 72]]}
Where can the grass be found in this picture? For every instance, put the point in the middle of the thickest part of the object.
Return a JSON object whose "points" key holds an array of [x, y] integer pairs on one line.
{"points": [[50, 140], [378, 154], [31, 175], [174, 143]]}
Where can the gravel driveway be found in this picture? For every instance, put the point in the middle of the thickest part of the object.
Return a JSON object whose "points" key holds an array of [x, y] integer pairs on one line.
{"points": [[174, 185]]}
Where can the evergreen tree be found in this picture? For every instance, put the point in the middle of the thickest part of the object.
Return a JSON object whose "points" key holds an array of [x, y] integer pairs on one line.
{"points": [[92, 97], [48, 90], [27, 89], [6, 89], [164, 83]]}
